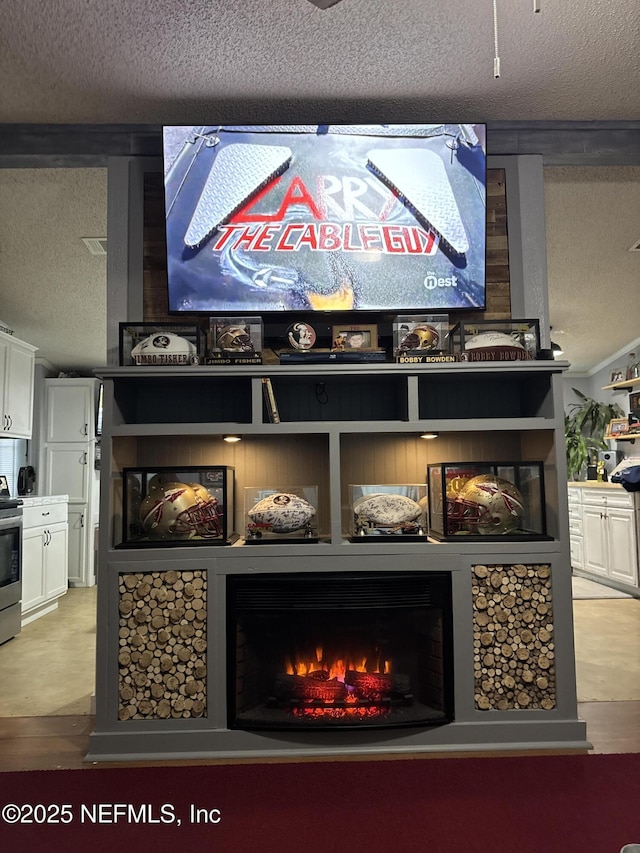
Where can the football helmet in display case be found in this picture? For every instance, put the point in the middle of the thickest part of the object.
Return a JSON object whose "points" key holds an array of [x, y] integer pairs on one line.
{"points": [[235, 340], [281, 515], [388, 511], [177, 506], [484, 500], [159, 344], [496, 340], [421, 335]]}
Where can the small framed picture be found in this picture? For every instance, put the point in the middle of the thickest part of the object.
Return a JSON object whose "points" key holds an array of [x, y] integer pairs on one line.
{"points": [[354, 337], [617, 376], [4, 487], [617, 426]]}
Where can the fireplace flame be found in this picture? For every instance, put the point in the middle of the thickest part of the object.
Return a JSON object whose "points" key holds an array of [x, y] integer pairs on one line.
{"points": [[336, 668]]}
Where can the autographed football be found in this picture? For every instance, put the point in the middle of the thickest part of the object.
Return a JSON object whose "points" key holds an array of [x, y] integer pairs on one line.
{"points": [[163, 348], [386, 510], [493, 346], [282, 512]]}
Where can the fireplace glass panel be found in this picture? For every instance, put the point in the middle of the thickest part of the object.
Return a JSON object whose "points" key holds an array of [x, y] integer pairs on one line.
{"points": [[339, 650]]}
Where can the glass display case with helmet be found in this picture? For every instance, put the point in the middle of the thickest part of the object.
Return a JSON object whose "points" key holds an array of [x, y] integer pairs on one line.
{"points": [[381, 512], [289, 514], [185, 505], [496, 340], [235, 340], [160, 344], [421, 338], [485, 501]]}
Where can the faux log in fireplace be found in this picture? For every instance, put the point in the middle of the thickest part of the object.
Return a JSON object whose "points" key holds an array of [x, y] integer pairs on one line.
{"points": [[339, 650]]}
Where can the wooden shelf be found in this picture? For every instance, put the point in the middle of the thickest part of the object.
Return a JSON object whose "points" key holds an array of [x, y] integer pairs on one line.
{"points": [[622, 386], [627, 436]]}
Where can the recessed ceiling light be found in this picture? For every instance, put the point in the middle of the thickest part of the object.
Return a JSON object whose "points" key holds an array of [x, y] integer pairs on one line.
{"points": [[324, 4]]}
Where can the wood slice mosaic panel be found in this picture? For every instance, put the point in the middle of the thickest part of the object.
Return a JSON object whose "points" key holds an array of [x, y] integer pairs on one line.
{"points": [[162, 667], [513, 648]]}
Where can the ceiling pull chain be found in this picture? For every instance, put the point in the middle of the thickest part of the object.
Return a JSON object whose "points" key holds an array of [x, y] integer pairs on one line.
{"points": [[536, 5], [496, 58]]}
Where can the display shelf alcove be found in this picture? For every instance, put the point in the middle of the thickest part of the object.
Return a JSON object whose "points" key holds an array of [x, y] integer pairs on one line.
{"points": [[339, 425]]}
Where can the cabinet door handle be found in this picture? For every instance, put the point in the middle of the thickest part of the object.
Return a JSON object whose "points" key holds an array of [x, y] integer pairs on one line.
{"points": [[82, 521], [46, 538], [84, 458], [86, 429], [10, 421], [45, 513]]}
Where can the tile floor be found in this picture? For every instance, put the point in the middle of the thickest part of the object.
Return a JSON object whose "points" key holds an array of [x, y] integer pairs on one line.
{"points": [[48, 669]]}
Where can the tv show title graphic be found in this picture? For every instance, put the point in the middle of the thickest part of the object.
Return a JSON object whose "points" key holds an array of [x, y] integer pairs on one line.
{"points": [[266, 232]]}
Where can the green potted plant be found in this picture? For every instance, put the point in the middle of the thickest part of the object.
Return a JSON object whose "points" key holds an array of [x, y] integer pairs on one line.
{"points": [[584, 430]]}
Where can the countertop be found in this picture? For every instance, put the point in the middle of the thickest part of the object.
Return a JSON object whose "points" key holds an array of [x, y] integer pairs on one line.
{"points": [[43, 500], [593, 484]]}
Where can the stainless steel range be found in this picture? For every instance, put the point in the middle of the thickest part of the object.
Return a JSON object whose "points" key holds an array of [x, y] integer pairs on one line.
{"points": [[10, 567]]}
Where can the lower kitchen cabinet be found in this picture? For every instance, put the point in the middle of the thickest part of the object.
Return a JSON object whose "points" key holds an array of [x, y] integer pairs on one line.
{"points": [[609, 536], [81, 547], [45, 552]]}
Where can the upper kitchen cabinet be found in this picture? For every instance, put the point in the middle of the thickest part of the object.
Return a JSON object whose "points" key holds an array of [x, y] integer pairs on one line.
{"points": [[72, 407], [17, 360]]}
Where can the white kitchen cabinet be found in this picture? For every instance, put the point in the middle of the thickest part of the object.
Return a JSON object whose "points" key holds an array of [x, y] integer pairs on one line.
{"points": [[69, 469], [595, 541], [70, 450], [610, 535], [17, 360], [71, 409], [44, 555], [81, 552], [622, 545], [576, 538]]}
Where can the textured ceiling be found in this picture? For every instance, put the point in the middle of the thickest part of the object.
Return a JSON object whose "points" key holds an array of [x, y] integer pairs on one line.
{"points": [[592, 219], [168, 62], [160, 62], [52, 290]]}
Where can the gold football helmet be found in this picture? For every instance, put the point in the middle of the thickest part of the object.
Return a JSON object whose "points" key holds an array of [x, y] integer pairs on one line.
{"points": [[423, 336], [485, 505], [235, 339]]}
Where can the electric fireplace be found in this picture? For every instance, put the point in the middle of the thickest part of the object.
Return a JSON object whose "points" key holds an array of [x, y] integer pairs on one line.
{"points": [[339, 650]]}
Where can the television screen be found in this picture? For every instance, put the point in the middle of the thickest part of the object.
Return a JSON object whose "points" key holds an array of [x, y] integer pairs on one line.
{"points": [[325, 217]]}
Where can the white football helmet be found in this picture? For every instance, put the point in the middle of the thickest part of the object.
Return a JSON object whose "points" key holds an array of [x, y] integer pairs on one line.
{"points": [[487, 505]]}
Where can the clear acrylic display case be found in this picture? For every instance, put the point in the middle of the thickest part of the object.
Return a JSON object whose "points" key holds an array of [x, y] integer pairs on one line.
{"points": [[288, 514], [388, 511], [421, 335], [160, 344], [235, 340], [496, 340], [190, 505], [486, 501]]}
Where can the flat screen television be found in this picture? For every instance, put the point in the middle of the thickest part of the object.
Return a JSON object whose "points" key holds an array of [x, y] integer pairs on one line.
{"points": [[317, 218]]}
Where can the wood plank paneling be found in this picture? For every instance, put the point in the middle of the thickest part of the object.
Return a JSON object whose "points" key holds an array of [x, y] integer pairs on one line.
{"points": [[155, 304]]}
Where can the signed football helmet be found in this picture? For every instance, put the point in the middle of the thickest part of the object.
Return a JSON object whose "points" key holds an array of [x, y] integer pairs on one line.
{"points": [[424, 336], [486, 505], [235, 339], [179, 511]]}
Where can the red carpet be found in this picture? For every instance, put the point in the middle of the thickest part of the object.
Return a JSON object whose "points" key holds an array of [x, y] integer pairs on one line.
{"points": [[542, 804]]}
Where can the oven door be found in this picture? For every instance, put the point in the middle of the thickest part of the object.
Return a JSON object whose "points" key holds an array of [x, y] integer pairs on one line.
{"points": [[10, 561]]}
